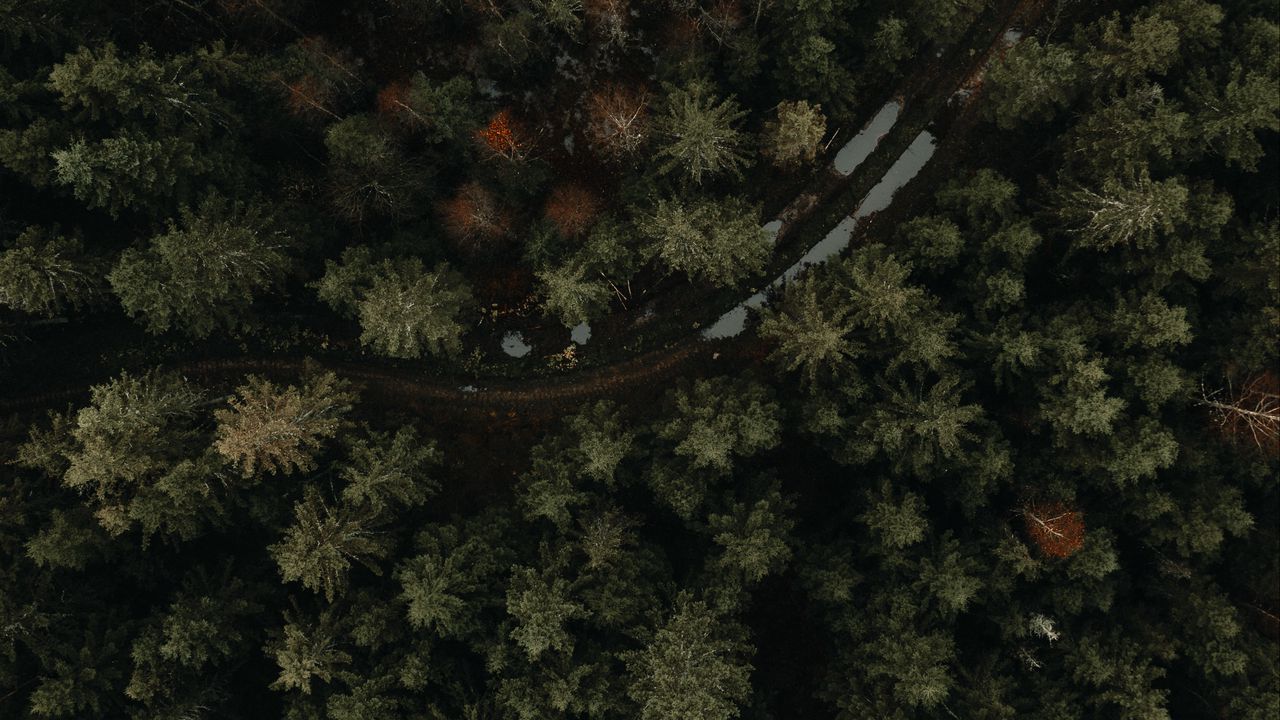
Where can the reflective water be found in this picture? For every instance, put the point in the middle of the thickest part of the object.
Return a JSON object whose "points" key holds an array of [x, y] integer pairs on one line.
{"points": [[907, 166]]}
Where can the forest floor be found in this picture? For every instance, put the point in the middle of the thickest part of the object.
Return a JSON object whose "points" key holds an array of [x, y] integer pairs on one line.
{"points": [[531, 401]]}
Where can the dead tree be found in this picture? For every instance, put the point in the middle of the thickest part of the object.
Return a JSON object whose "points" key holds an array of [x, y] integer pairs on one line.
{"points": [[1249, 415]]}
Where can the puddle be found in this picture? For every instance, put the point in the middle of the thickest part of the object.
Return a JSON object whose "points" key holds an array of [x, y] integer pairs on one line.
{"points": [[580, 333], [468, 388], [907, 166], [771, 230], [514, 345], [859, 148]]}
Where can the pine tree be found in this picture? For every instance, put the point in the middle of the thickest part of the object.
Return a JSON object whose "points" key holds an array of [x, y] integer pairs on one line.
{"points": [[697, 134], [44, 273], [205, 271], [389, 471], [570, 296], [1032, 82], [541, 606], [370, 175], [694, 668], [717, 241], [792, 139], [404, 309], [717, 420], [281, 430], [324, 541]]}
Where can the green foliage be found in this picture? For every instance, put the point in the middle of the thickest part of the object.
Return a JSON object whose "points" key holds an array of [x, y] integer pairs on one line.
{"points": [[697, 134], [1079, 316], [717, 420], [404, 309], [444, 111], [811, 338], [323, 542], [275, 429], [128, 170], [793, 138], [306, 650], [43, 273], [694, 668], [370, 175], [134, 452], [717, 241], [205, 271], [386, 470], [541, 607], [571, 296], [754, 536], [1032, 82], [452, 578]]}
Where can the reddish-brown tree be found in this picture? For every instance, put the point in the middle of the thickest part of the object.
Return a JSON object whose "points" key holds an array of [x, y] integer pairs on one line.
{"points": [[1055, 528], [618, 120], [308, 97], [572, 209], [393, 103], [682, 33], [608, 19], [505, 137], [1251, 414], [474, 220]]}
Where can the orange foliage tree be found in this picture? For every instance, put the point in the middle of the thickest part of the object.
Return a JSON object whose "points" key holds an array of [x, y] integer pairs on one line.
{"points": [[572, 209], [307, 97], [618, 120], [1055, 528], [393, 103], [505, 137], [474, 220]]}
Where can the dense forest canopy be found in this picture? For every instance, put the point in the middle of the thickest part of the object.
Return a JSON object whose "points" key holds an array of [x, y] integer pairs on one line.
{"points": [[1011, 453]]}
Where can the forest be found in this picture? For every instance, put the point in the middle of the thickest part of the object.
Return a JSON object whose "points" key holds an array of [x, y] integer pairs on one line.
{"points": [[655, 359]]}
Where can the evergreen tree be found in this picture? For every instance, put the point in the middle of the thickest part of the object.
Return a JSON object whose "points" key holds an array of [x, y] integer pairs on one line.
{"points": [[275, 429], [793, 138], [205, 271], [694, 667], [404, 309], [720, 242], [697, 134], [43, 273]]}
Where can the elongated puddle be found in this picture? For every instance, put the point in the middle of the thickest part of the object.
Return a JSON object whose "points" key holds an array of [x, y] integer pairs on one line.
{"points": [[859, 148], [907, 166]]}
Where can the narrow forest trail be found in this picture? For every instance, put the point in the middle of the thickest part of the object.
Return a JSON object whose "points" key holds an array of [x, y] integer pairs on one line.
{"points": [[646, 374]]}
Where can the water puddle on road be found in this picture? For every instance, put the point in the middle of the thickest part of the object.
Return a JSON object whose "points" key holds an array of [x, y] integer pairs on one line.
{"points": [[860, 147], [514, 345], [907, 166]]}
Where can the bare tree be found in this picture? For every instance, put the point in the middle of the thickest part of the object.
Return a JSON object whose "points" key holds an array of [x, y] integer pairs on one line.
{"points": [[618, 120], [1251, 414]]}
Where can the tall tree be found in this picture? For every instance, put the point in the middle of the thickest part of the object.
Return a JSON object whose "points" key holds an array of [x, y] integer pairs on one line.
{"points": [[697, 134], [404, 309], [44, 273], [323, 542], [205, 271], [792, 139], [273, 429], [694, 668], [717, 241]]}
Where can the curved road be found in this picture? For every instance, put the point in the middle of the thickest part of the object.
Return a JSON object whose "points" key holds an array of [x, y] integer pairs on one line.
{"points": [[647, 370]]}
